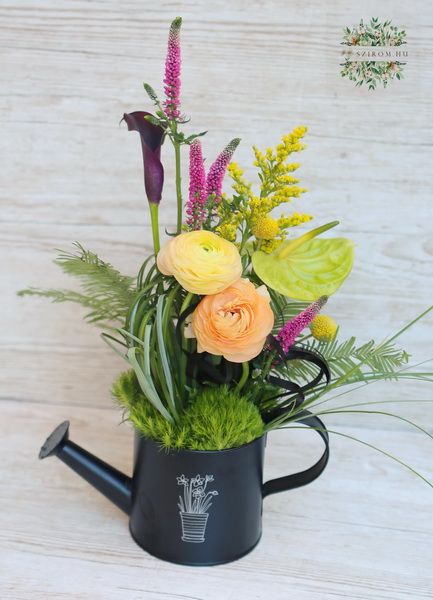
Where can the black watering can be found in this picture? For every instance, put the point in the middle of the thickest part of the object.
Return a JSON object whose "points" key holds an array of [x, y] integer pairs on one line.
{"points": [[188, 506]]}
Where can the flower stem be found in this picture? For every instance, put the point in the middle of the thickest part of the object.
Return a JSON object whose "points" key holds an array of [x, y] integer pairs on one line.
{"points": [[245, 372], [155, 227], [176, 146], [185, 345]]}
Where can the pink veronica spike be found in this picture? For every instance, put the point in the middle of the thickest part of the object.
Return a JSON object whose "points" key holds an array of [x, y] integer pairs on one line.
{"points": [[172, 71], [217, 171], [195, 208], [290, 331]]}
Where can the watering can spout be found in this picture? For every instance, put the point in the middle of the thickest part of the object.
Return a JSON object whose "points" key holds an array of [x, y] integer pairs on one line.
{"points": [[109, 481]]}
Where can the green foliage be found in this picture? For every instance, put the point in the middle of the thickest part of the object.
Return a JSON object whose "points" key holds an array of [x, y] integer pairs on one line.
{"points": [[221, 418], [346, 357], [147, 419], [154, 349], [380, 358], [215, 418], [106, 292], [284, 309], [126, 389]]}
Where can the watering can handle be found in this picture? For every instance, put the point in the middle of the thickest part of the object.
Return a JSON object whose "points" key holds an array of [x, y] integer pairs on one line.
{"points": [[282, 484]]}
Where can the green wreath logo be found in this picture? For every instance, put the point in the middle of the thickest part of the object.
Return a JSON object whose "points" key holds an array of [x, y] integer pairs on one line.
{"points": [[358, 68]]}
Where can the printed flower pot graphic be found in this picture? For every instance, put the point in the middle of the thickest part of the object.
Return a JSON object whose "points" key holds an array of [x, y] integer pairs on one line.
{"points": [[193, 527], [190, 507], [193, 505]]}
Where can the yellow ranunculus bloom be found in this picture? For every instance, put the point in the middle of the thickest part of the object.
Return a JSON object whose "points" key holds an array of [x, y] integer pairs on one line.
{"points": [[201, 261]]}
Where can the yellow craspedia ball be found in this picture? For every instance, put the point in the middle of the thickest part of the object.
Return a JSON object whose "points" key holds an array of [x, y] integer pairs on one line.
{"points": [[323, 328], [201, 261], [266, 228]]}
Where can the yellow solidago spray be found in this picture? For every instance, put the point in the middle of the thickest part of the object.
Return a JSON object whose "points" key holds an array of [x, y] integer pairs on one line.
{"points": [[248, 213]]}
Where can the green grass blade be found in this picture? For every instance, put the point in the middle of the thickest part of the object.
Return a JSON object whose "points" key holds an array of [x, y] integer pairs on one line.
{"points": [[355, 439], [333, 411], [146, 384]]}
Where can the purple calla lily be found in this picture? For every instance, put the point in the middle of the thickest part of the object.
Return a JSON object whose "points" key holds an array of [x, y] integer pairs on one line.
{"points": [[152, 137]]}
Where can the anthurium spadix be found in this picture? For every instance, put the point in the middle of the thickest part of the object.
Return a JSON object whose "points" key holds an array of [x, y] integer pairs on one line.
{"points": [[152, 137], [306, 268]]}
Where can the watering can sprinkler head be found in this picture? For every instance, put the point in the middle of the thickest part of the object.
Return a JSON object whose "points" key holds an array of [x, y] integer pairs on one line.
{"points": [[55, 441], [109, 481]]}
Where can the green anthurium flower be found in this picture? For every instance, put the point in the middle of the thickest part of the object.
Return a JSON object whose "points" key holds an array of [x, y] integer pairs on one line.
{"points": [[306, 268]]}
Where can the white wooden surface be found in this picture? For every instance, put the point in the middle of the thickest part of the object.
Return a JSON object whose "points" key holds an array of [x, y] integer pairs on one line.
{"points": [[69, 69]]}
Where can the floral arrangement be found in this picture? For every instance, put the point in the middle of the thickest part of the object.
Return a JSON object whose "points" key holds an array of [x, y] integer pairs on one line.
{"points": [[374, 33], [222, 328]]}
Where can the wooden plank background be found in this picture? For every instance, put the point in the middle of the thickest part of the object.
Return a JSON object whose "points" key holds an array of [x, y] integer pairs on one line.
{"points": [[69, 69]]}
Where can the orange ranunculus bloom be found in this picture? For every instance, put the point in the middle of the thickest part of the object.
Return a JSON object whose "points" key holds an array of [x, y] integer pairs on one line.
{"points": [[235, 322]]}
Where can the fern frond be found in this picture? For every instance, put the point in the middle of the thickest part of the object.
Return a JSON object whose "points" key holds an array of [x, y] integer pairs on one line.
{"points": [[106, 292], [70, 296], [284, 310], [344, 357]]}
